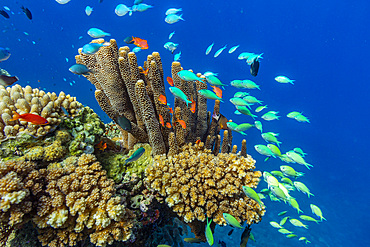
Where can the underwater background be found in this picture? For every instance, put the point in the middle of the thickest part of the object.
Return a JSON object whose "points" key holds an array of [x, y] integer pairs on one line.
{"points": [[323, 45]]}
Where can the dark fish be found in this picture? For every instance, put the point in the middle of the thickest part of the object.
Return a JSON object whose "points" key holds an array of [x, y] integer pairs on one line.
{"points": [[7, 80], [230, 232], [255, 66], [123, 122], [129, 40], [3, 13], [27, 12], [245, 236], [4, 54], [221, 243]]}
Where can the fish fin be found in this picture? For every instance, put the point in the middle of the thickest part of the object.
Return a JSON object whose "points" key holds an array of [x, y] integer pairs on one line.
{"points": [[267, 159], [16, 116]]}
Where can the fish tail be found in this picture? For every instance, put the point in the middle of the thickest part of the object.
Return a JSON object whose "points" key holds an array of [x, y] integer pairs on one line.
{"points": [[180, 17], [16, 116], [253, 116], [308, 166]]}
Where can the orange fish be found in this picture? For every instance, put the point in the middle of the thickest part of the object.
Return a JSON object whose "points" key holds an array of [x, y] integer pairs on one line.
{"points": [[217, 91], [168, 125], [142, 43], [29, 117], [162, 99], [171, 111], [170, 81], [192, 105], [101, 146], [161, 119], [183, 124], [145, 72], [197, 142]]}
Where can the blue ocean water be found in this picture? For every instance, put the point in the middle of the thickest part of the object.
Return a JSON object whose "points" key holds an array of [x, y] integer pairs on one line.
{"points": [[323, 45]]}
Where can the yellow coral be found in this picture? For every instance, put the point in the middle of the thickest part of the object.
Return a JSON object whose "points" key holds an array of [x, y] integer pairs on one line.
{"points": [[54, 151]]}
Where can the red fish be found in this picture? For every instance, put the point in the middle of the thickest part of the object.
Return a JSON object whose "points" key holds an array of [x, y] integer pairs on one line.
{"points": [[171, 111], [29, 117], [197, 142], [162, 99], [161, 120], [142, 43], [101, 146], [168, 125], [193, 105], [145, 72], [217, 91], [182, 123], [170, 81]]}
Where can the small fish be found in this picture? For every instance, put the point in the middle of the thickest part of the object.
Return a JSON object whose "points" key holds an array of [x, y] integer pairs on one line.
{"points": [[217, 53], [7, 80], [283, 220], [162, 99], [192, 240], [171, 35], [287, 181], [170, 109], [79, 69], [298, 223], [172, 18], [299, 151], [245, 55], [317, 211], [262, 149], [284, 79], [245, 126], [136, 49], [27, 12], [161, 120], [237, 84], [171, 46], [240, 94], [170, 81], [197, 141], [193, 106], [217, 91], [253, 195], [88, 10], [290, 172], [234, 127], [291, 236], [222, 122], [284, 231], [91, 48], [141, 7], [278, 192], [97, 33], [209, 235], [293, 202], [258, 125], [182, 123], [128, 40], [282, 213], [179, 94], [260, 108], [209, 94], [173, 11], [275, 150], [255, 65], [293, 114], [269, 116], [177, 56], [298, 159], [209, 48], [187, 75], [250, 84], [122, 10], [232, 49], [135, 156], [308, 218], [303, 188], [29, 117], [275, 225], [123, 122], [101, 146], [252, 100], [270, 138], [4, 54], [213, 80], [3, 13], [253, 57], [301, 118], [231, 220], [142, 43]]}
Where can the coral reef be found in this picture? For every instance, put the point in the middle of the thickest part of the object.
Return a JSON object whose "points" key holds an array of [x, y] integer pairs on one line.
{"points": [[35, 101]]}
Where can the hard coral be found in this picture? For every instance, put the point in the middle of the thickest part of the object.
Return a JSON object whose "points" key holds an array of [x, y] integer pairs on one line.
{"points": [[198, 184]]}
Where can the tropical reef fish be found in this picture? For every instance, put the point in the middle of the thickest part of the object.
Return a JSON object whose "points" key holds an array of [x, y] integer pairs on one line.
{"points": [[253, 195], [244, 110], [232, 49], [170, 81], [250, 84], [142, 43], [283, 220], [299, 151], [282, 213], [231, 220], [213, 80], [308, 218], [62, 1], [209, 235], [217, 91], [209, 94], [258, 125], [298, 159], [29, 117], [297, 223], [97, 33], [252, 100], [262, 149], [4, 54], [172, 18], [171, 46], [217, 53], [293, 202], [123, 122], [209, 48], [293, 114], [88, 10], [187, 75], [177, 56], [275, 225], [291, 236], [284, 79], [222, 120], [136, 50], [245, 55], [128, 40], [179, 94], [303, 188], [275, 150], [171, 35], [255, 65], [260, 108], [135, 156], [91, 48], [122, 10], [306, 241], [240, 94], [6, 80], [245, 126], [141, 7], [290, 172], [317, 211], [301, 118], [79, 69], [173, 11], [192, 240], [268, 137], [27, 12], [284, 231], [270, 116], [3, 13], [253, 57], [234, 127]]}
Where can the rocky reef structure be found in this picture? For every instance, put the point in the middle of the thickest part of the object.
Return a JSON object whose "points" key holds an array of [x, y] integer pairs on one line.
{"points": [[197, 180]]}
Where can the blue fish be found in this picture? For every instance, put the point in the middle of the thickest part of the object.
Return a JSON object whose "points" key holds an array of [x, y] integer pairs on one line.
{"points": [[91, 48], [97, 33], [136, 155], [79, 69], [4, 54]]}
